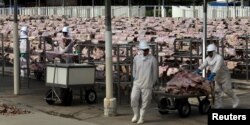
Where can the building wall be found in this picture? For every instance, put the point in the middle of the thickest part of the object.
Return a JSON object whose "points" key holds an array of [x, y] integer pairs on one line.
{"points": [[59, 2], [224, 0]]}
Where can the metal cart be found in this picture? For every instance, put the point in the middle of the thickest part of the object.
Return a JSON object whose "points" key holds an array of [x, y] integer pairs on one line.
{"points": [[65, 77], [167, 101]]}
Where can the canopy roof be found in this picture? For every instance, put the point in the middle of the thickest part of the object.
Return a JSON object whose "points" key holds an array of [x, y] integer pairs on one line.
{"points": [[215, 3]]}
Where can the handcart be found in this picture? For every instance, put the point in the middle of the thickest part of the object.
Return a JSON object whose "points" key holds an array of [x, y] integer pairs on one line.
{"points": [[65, 77], [39, 68], [167, 101]]}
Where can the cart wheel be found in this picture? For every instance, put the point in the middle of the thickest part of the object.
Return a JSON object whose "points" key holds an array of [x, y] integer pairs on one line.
{"points": [[163, 112], [204, 106], [90, 96], [184, 108], [66, 97], [39, 75], [48, 97], [162, 106]]}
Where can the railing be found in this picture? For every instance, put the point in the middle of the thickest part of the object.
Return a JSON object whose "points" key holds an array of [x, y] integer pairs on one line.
{"points": [[138, 11], [213, 12], [74, 11]]}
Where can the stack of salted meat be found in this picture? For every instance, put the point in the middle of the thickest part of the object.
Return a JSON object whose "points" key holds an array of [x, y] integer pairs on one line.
{"points": [[11, 110], [187, 83]]}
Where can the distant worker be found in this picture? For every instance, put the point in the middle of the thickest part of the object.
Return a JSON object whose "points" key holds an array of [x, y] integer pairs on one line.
{"points": [[66, 44], [145, 76], [23, 49], [221, 75]]}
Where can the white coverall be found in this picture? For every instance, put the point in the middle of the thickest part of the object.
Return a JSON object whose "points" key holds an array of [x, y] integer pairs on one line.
{"points": [[67, 49], [223, 81], [145, 75], [23, 51]]}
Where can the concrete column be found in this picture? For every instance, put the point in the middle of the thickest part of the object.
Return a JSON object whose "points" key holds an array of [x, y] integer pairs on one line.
{"points": [[16, 53], [109, 102]]}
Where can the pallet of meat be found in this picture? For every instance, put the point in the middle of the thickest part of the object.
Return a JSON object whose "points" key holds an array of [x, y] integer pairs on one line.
{"points": [[177, 92]]}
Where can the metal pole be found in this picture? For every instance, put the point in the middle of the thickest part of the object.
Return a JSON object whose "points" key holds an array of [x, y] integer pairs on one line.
{"points": [[247, 61], [3, 57], [242, 3], [38, 8], [227, 9], [159, 8], [93, 7], [234, 10], [63, 4], [193, 8], [109, 101], [154, 11], [129, 8], [204, 33], [16, 52], [10, 8]]}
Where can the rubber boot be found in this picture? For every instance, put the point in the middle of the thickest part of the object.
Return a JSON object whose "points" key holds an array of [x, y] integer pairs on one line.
{"points": [[141, 120], [231, 94], [136, 115], [236, 101]]}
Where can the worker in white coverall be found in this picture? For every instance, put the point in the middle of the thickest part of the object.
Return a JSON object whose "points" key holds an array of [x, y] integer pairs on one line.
{"points": [[23, 49], [221, 75], [66, 45], [145, 76]]}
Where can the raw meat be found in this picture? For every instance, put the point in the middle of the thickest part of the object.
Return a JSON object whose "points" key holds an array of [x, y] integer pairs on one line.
{"points": [[185, 83]]}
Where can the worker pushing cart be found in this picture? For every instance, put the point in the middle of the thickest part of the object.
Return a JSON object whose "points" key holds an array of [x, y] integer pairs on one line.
{"points": [[220, 74]]}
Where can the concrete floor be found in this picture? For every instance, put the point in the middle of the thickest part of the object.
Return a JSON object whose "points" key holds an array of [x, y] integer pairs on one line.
{"points": [[80, 113]]}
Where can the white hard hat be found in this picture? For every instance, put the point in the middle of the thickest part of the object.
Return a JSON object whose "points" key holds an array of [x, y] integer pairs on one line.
{"points": [[143, 45], [24, 28], [65, 29], [211, 47]]}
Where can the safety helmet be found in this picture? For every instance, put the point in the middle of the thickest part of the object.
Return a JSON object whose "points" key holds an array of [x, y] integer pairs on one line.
{"points": [[24, 28], [143, 45], [65, 29], [211, 47]]}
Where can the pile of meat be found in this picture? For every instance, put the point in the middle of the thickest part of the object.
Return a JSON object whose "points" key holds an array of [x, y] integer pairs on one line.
{"points": [[164, 31], [11, 110], [187, 83]]}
